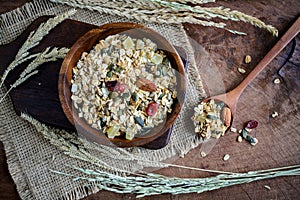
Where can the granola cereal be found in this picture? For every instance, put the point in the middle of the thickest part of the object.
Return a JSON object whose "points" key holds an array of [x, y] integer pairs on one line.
{"points": [[123, 86]]}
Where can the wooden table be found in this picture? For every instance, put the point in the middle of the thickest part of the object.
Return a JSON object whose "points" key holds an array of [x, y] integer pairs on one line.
{"points": [[227, 52]]}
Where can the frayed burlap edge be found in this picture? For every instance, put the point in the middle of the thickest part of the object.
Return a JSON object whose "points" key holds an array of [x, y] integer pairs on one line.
{"points": [[14, 165]]}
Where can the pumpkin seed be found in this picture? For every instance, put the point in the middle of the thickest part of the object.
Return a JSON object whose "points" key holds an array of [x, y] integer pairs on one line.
{"points": [[110, 66], [103, 51], [110, 49], [134, 97], [140, 121], [113, 95], [244, 134], [119, 68], [164, 71], [109, 74]]}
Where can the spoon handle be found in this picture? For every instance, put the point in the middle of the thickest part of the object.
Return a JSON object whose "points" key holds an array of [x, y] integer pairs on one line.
{"points": [[285, 39]]}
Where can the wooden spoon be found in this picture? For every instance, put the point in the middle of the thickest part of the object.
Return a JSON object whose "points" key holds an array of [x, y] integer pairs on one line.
{"points": [[231, 98]]}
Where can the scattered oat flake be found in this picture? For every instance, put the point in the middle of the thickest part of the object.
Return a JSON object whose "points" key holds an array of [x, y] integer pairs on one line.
{"points": [[248, 59], [275, 114], [267, 187], [276, 81], [232, 129], [203, 154], [226, 157], [239, 138], [241, 70]]}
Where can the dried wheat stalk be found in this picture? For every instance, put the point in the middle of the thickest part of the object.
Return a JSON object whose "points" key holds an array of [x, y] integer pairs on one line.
{"points": [[152, 184], [40, 58], [33, 40], [175, 12]]}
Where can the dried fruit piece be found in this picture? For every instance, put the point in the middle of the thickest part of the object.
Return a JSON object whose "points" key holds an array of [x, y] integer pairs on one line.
{"points": [[120, 87], [226, 116], [146, 85], [156, 59], [151, 109], [128, 43], [110, 85], [251, 124], [113, 131], [115, 86]]}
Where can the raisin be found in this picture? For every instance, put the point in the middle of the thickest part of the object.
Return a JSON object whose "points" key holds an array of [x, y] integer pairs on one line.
{"points": [[252, 124], [151, 109]]}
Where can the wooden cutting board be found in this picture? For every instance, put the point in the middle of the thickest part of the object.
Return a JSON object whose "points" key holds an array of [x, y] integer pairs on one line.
{"points": [[38, 96]]}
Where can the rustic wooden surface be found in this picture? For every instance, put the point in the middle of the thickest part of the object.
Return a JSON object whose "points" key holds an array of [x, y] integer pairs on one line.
{"points": [[279, 138]]}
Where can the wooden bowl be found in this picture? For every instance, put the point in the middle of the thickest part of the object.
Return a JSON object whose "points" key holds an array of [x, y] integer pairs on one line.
{"points": [[85, 44]]}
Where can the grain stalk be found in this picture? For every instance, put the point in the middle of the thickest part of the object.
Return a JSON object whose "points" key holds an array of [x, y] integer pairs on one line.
{"points": [[174, 12], [33, 40], [40, 58], [152, 184], [74, 147]]}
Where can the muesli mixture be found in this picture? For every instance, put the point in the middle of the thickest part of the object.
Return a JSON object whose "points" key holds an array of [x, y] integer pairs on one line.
{"points": [[123, 86], [211, 119]]}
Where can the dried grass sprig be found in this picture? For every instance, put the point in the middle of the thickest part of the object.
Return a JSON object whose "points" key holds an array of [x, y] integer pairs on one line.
{"points": [[18, 82], [141, 12], [175, 12], [76, 148], [220, 12], [69, 144], [40, 58], [235, 15], [152, 184], [33, 40], [145, 184]]}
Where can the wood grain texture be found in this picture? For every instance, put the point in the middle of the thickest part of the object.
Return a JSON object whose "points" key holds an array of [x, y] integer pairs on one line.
{"points": [[231, 98], [278, 138]]}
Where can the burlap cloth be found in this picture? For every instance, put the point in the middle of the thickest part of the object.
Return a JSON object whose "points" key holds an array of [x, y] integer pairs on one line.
{"points": [[30, 155]]}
